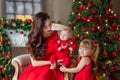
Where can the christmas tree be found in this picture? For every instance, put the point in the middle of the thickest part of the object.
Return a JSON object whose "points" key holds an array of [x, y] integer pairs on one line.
{"points": [[6, 68], [95, 20]]}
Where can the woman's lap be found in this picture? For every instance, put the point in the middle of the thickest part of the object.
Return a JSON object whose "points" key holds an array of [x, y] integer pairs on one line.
{"points": [[38, 73]]}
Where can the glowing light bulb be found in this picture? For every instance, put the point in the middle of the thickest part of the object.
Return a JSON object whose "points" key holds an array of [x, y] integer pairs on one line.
{"points": [[111, 11], [80, 2], [86, 7], [79, 14], [98, 27], [106, 24], [87, 32], [74, 27], [72, 13], [88, 20]]}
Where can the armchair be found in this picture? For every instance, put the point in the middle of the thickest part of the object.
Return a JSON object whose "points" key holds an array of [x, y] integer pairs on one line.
{"points": [[22, 61]]}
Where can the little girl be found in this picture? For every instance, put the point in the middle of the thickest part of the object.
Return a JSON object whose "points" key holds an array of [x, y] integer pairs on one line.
{"points": [[63, 47], [88, 52]]}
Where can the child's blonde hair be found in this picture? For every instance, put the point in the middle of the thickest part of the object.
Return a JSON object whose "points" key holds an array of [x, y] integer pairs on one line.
{"points": [[69, 31], [86, 43]]}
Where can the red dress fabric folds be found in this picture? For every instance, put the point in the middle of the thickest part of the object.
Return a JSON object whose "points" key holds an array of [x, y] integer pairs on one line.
{"points": [[85, 73]]}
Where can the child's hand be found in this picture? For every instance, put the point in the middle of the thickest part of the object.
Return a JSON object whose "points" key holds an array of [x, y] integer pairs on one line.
{"points": [[70, 48], [52, 65], [62, 68], [59, 62]]}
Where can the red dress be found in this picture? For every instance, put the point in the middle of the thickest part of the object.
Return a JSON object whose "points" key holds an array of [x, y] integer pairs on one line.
{"points": [[85, 73], [43, 72], [63, 53]]}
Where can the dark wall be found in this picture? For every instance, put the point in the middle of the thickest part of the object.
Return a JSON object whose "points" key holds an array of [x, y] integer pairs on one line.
{"points": [[116, 8]]}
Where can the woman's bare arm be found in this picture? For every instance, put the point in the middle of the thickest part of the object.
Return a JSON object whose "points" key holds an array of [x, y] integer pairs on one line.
{"points": [[39, 63], [56, 26]]}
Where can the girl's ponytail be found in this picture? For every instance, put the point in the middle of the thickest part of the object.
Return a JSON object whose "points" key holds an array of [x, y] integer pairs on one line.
{"points": [[95, 52]]}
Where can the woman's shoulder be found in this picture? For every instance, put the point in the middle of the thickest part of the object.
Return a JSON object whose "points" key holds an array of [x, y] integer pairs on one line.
{"points": [[54, 34], [52, 38]]}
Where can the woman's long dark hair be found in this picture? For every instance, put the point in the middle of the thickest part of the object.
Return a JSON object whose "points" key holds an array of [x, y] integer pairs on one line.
{"points": [[36, 40]]}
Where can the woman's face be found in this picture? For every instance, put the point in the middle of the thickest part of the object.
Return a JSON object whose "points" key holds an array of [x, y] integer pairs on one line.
{"points": [[47, 28]]}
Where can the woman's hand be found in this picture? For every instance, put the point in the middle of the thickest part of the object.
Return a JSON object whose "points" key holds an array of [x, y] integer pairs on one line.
{"points": [[62, 68]]}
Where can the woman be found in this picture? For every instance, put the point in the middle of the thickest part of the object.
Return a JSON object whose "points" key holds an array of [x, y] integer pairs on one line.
{"points": [[40, 46]]}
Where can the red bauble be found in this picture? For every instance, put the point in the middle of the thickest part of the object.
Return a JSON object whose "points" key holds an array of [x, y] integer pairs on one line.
{"points": [[89, 5], [118, 48], [78, 18], [76, 10], [84, 19], [116, 35], [6, 77], [9, 53], [13, 24], [81, 7], [101, 30], [105, 53], [9, 43], [94, 42], [85, 29], [110, 16], [71, 24], [84, 37], [119, 39], [3, 54], [112, 69], [94, 11], [3, 23], [110, 5], [96, 74], [116, 17], [74, 38], [114, 25], [107, 12], [21, 32], [2, 40], [101, 19], [110, 38], [103, 67], [114, 54], [112, 29], [29, 21], [90, 18], [93, 29]]}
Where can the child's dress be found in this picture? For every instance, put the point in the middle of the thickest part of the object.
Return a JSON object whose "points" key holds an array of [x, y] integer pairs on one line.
{"points": [[85, 73], [63, 53]]}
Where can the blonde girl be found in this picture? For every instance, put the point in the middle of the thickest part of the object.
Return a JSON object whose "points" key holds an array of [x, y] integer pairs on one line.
{"points": [[88, 52]]}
